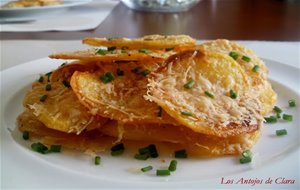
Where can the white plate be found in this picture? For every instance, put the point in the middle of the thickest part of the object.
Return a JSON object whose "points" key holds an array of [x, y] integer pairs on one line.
{"points": [[33, 13], [54, 170]]}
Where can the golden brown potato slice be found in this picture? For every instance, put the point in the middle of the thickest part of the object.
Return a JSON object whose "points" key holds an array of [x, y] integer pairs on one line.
{"points": [[115, 55], [116, 91], [58, 108], [194, 88], [196, 143], [247, 60], [86, 141], [152, 42]]}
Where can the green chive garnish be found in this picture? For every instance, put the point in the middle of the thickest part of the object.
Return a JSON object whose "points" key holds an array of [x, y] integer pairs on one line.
{"points": [[271, 119], [233, 94], [234, 55], [120, 72], [48, 87], [66, 83], [181, 154], [107, 77], [117, 149], [163, 172], [49, 75], [173, 165], [55, 148], [97, 160], [25, 135], [278, 115], [209, 94], [245, 58], [281, 132], [292, 103], [185, 113], [146, 72], [146, 169], [41, 79], [149, 150], [43, 98], [246, 157], [101, 52], [144, 50], [39, 147], [255, 69], [111, 38], [189, 84], [287, 117], [277, 109]]}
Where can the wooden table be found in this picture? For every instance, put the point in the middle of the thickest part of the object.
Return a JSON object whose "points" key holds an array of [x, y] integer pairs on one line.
{"points": [[277, 20]]}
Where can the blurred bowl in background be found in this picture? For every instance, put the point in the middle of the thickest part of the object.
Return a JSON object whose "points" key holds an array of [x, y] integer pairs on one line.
{"points": [[160, 5]]}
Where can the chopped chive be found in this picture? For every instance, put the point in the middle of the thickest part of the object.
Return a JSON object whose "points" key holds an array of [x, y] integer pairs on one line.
{"points": [[281, 132], [145, 50], [246, 157], [66, 83], [189, 84], [181, 154], [124, 51], [287, 117], [255, 69], [49, 75], [39, 147], [185, 113], [141, 156], [107, 77], [159, 112], [146, 72], [169, 49], [48, 87], [101, 52], [245, 58], [278, 115], [173, 165], [146, 169], [111, 38], [120, 72], [292, 103], [41, 79], [117, 149], [163, 172], [233, 94], [271, 119], [149, 150], [209, 94], [63, 64], [25, 135], [277, 109], [55, 148], [43, 98], [234, 55], [97, 160], [244, 160]]}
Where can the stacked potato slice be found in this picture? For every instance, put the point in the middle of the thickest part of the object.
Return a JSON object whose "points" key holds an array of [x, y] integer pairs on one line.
{"points": [[157, 89]]}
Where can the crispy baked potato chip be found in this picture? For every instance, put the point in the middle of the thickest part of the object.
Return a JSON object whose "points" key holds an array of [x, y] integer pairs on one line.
{"points": [[152, 42], [88, 140], [116, 55], [199, 144], [247, 60], [59, 108], [194, 88], [122, 97]]}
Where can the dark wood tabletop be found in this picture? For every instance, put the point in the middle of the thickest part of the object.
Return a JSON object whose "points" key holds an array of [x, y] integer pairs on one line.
{"points": [[277, 20]]}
